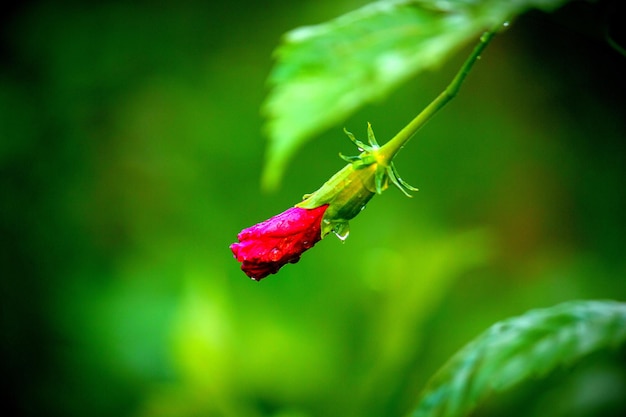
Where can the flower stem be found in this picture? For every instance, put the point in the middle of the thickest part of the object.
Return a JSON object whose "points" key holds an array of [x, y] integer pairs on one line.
{"points": [[389, 149]]}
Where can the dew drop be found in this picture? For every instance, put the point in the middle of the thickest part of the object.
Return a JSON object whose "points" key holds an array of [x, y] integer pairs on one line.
{"points": [[274, 255], [342, 230]]}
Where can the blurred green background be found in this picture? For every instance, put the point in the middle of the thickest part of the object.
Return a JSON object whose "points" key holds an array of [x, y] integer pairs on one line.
{"points": [[131, 147]]}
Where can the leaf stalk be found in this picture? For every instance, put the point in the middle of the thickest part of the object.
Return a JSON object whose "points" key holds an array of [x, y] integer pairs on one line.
{"points": [[391, 148]]}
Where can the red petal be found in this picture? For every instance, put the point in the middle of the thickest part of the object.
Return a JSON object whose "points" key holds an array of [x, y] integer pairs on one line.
{"points": [[265, 247]]}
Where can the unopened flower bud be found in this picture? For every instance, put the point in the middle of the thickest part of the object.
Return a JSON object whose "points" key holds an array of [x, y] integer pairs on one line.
{"points": [[265, 247]]}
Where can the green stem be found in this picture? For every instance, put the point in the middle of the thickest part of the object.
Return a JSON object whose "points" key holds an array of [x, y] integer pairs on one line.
{"points": [[389, 149]]}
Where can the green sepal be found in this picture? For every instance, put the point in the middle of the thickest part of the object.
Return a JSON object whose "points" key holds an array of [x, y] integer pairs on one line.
{"points": [[360, 145], [371, 138], [374, 154], [350, 158], [381, 180], [399, 182], [346, 193], [350, 189]]}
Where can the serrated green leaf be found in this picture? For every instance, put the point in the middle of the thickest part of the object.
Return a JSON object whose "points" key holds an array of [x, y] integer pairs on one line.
{"points": [[520, 348], [325, 72]]}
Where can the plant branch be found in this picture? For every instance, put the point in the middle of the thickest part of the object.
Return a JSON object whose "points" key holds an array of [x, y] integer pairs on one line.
{"points": [[389, 150]]}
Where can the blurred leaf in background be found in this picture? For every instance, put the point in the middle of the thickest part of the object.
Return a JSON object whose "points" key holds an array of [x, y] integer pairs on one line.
{"points": [[325, 72], [520, 348], [130, 156]]}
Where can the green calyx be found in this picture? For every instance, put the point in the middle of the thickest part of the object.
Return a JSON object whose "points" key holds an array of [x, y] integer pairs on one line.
{"points": [[382, 157], [349, 190]]}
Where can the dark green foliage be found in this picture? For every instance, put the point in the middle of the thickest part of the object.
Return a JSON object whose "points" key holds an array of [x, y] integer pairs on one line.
{"points": [[521, 348], [325, 72]]}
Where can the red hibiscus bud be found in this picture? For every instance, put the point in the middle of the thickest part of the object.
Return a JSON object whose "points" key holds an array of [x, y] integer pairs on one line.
{"points": [[265, 247]]}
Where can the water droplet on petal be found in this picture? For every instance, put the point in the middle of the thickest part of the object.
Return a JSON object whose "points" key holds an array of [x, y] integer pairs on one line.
{"points": [[274, 255]]}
